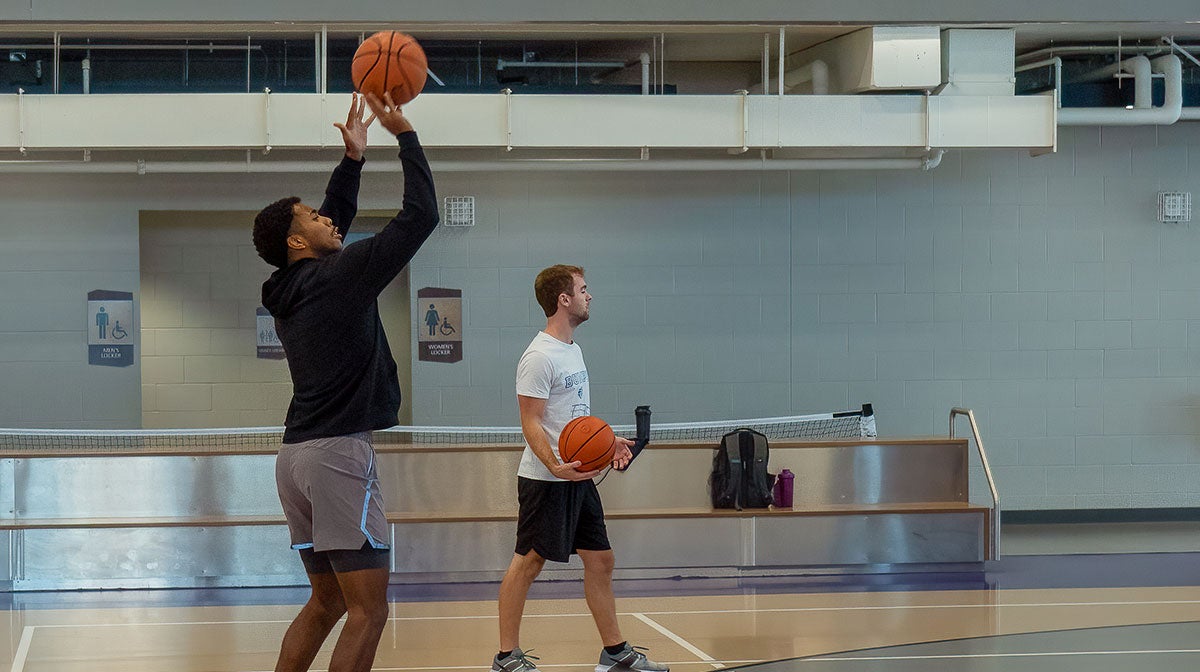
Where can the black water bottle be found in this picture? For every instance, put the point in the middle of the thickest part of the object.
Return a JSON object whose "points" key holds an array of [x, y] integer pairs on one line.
{"points": [[642, 426], [642, 415]]}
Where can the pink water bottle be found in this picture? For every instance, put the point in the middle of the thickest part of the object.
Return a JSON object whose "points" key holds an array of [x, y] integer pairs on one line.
{"points": [[784, 487]]}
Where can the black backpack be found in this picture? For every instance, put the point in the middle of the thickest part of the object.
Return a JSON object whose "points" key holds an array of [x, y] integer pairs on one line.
{"points": [[739, 476]]}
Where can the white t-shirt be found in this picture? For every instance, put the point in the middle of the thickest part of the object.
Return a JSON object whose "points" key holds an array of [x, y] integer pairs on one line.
{"points": [[554, 371]]}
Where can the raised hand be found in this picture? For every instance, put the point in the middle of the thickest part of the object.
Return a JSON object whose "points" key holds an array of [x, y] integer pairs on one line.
{"points": [[389, 113], [354, 131]]}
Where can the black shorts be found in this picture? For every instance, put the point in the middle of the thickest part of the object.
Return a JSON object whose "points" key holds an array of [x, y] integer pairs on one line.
{"points": [[341, 561], [558, 518]]}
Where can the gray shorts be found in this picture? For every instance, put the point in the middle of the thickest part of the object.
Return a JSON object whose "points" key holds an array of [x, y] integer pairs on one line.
{"points": [[330, 493]]}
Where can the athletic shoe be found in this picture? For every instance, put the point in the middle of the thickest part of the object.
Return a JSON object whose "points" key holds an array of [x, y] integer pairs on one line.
{"points": [[629, 659], [517, 661]]}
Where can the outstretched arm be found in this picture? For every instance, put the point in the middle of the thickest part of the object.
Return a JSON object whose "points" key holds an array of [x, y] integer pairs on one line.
{"points": [[377, 260], [341, 196]]}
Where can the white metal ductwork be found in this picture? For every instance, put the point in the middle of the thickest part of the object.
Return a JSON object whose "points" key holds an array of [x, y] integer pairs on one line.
{"points": [[1142, 113], [927, 162], [816, 72], [849, 117]]}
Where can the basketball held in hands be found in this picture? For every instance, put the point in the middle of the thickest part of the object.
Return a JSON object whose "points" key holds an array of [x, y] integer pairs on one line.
{"points": [[389, 62], [588, 440]]}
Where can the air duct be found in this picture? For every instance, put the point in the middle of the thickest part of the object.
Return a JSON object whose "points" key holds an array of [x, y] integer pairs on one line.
{"points": [[928, 162], [816, 72]]}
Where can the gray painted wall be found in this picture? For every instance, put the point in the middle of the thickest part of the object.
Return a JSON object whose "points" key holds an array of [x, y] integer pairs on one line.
{"points": [[1039, 291]]}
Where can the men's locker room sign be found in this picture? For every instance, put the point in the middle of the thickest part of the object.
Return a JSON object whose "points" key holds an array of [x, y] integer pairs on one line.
{"points": [[110, 328], [439, 324]]}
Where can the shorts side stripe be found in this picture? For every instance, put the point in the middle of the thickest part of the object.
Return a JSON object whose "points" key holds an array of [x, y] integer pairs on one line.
{"points": [[366, 504]]}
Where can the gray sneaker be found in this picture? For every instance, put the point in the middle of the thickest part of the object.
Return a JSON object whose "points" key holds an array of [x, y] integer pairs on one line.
{"points": [[630, 659], [517, 661]]}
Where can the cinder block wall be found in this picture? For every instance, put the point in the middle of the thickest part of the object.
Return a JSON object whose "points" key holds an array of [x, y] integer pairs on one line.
{"points": [[1039, 291]]}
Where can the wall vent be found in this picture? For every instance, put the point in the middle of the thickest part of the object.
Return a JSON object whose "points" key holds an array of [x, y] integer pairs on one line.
{"points": [[458, 211], [1174, 206]]}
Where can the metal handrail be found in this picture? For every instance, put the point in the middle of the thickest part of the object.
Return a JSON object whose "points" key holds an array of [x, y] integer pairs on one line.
{"points": [[987, 471]]}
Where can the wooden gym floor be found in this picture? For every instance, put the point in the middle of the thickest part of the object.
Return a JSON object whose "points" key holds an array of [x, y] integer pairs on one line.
{"points": [[1094, 612]]}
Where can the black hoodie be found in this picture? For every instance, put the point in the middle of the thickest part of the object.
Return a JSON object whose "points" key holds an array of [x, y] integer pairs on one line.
{"points": [[327, 313]]}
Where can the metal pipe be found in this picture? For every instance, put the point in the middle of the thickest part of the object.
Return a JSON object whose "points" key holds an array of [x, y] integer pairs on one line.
{"points": [[1138, 66], [662, 63], [135, 47], [987, 471], [317, 62], [1057, 63], [86, 65], [502, 64], [782, 52], [1183, 52], [1170, 112], [323, 63], [1098, 49], [247, 64], [645, 59], [654, 58], [766, 62]]}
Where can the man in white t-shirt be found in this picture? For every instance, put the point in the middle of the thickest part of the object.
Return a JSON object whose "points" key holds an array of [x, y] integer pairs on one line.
{"points": [[560, 509]]}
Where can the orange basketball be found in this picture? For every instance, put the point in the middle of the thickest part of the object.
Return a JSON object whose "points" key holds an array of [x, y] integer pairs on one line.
{"points": [[588, 440], [392, 62]]}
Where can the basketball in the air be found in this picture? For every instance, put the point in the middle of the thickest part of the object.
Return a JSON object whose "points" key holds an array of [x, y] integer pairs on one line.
{"points": [[389, 62], [588, 440]]}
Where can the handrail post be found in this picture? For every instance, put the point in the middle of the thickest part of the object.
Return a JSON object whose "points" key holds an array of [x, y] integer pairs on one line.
{"points": [[987, 471]]}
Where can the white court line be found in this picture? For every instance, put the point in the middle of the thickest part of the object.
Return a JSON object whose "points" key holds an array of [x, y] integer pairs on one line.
{"points": [[22, 652], [27, 634], [686, 612], [954, 656], [915, 607], [694, 650]]}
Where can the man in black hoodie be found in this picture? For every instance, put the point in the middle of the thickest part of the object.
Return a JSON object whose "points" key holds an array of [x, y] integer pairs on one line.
{"points": [[344, 385]]}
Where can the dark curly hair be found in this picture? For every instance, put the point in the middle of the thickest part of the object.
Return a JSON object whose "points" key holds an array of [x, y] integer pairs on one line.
{"points": [[271, 228]]}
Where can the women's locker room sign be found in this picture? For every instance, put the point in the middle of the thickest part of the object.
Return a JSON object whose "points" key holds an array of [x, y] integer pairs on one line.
{"points": [[439, 324]]}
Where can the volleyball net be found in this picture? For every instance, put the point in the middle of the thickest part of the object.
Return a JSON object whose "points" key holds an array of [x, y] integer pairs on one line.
{"points": [[14, 442]]}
